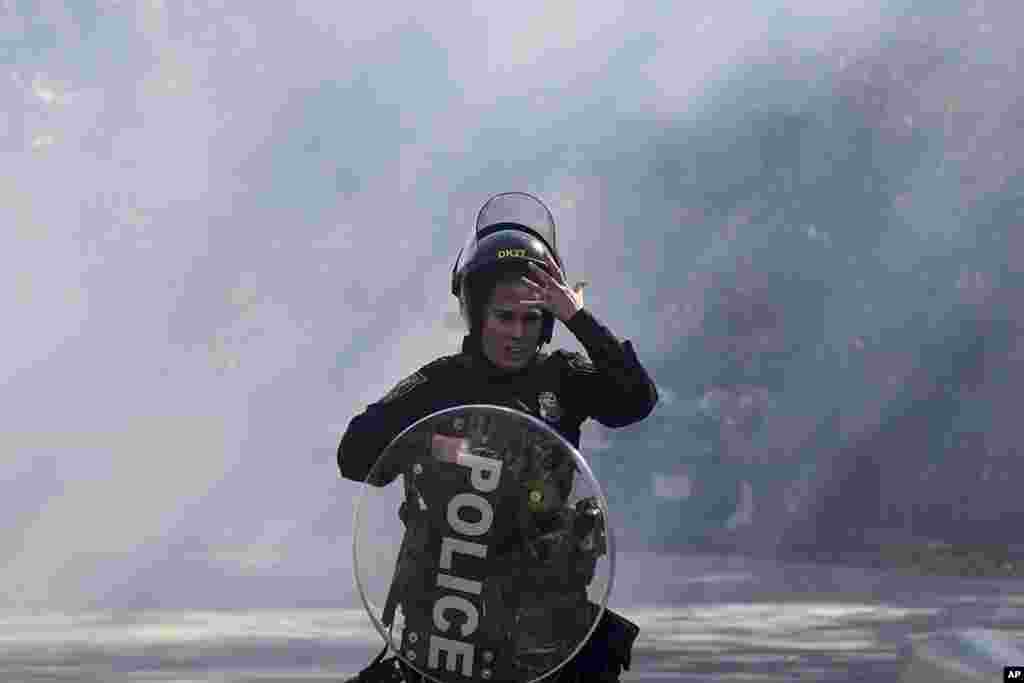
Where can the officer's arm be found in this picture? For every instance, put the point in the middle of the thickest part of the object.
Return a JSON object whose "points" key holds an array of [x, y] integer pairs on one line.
{"points": [[613, 387], [370, 432]]}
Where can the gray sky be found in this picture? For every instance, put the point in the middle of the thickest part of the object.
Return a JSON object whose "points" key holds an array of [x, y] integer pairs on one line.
{"points": [[229, 226]]}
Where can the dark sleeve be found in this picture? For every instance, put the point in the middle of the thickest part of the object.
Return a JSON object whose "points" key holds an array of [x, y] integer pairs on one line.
{"points": [[613, 387], [370, 432]]}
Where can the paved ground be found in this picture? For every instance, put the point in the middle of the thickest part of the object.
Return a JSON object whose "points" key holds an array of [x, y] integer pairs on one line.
{"points": [[703, 618]]}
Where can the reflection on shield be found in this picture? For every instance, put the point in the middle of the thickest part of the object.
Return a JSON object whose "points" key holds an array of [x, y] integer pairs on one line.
{"points": [[505, 561]]}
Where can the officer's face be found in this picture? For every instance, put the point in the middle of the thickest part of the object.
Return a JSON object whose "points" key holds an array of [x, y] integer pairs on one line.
{"points": [[511, 330]]}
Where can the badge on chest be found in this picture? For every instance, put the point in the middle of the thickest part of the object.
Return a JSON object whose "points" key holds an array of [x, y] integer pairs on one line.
{"points": [[548, 406]]}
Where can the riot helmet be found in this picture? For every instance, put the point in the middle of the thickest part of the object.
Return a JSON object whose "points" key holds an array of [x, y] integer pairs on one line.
{"points": [[512, 228]]}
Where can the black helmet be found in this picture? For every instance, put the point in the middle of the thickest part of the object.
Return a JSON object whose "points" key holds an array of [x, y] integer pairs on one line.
{"points": [[513, 227]]}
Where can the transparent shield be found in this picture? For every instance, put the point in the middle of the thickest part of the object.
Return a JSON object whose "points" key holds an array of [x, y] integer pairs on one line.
{"points": [[492, 560], [522, 209], [518, 208]]}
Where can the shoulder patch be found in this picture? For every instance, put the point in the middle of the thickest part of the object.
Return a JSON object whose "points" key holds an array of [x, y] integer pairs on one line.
{"points": [[404, 387], [580, 363]]}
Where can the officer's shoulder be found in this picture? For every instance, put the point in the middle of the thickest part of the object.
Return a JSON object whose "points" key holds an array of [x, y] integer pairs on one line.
{"points": [[444, 364], [432, 372], [572, 361]]}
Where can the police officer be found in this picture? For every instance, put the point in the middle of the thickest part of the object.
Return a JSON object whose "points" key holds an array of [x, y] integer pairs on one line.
{"points": [[511, 286]]}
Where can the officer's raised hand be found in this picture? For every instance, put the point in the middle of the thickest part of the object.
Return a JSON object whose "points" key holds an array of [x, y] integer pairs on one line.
{"points": [[553, 295]]}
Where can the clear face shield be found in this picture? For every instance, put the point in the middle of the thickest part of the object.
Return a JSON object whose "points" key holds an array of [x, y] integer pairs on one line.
{"points": [[518, 208], [522, 209]]}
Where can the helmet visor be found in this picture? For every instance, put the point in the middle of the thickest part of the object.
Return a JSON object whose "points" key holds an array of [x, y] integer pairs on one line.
{"points": [[521, 209], [510, 211]]}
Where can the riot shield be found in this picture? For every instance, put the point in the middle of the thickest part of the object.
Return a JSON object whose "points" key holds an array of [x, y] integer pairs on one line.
{"points": [[493, 559]]}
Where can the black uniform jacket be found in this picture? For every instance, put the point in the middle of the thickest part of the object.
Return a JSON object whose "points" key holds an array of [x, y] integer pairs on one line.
{"points": [[611, 387]]}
